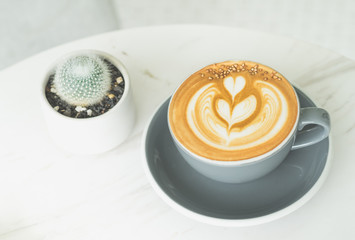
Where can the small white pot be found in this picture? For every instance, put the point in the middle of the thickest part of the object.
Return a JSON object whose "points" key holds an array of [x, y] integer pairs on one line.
{"points": [[96, 134]]}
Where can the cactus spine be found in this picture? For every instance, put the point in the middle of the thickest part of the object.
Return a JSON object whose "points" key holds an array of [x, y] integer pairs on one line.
{"points": [[82, 80]]}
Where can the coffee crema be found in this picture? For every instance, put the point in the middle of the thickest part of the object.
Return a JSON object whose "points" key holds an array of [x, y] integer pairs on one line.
{"points": [[233, 110]]}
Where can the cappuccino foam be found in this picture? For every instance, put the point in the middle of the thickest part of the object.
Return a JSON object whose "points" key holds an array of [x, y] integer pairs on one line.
{"points": [[233, 111]]}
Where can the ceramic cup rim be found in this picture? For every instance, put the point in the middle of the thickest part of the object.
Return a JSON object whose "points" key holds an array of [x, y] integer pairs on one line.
{"points": [[118, 64], [247, 161]]}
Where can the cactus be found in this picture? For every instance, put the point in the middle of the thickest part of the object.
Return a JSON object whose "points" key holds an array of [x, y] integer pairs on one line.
{"points": [[82, 80]]}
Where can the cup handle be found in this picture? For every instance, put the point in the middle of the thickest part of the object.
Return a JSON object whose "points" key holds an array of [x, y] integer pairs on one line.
{"points": [[313, 127]]}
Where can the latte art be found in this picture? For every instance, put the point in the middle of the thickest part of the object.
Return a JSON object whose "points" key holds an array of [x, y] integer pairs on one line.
{"points": [[233, 111]]}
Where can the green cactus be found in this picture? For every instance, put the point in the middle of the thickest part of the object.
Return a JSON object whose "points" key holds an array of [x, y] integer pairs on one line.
{"points": [[82, 80]]}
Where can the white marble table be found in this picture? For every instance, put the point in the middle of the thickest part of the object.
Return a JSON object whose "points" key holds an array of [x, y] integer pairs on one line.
{"points": [[49, 194]]}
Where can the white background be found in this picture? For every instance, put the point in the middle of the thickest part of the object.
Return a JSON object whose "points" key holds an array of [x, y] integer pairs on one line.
{"points": [[28, 27]]}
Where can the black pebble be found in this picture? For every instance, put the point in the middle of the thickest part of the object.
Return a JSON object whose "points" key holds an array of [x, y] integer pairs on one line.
{"points": [[67, 113]]}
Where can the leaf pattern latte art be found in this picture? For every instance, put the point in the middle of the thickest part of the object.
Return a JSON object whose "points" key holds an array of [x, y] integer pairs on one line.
{"points": [[235, 113]]}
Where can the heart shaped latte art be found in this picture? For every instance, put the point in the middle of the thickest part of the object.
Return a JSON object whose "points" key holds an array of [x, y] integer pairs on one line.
{"points": [[236, 114], [242, 110]]}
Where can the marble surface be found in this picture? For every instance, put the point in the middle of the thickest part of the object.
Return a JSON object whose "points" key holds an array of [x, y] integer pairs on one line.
{"points": [[49, 194], [327, 23]]}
